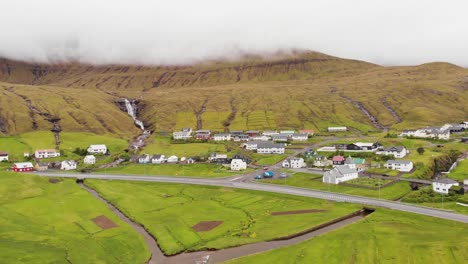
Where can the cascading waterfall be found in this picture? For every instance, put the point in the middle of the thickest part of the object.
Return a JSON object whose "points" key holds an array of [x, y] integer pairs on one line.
{"points": [[132, 112]]}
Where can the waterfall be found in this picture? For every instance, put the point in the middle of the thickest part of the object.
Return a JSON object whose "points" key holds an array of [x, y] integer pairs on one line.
{"points": [[131, 110]]}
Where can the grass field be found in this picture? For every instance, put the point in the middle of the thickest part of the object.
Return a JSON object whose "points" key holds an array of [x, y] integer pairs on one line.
{"points": [[310, 181], [460, 172], [269, 159], [195, 170], [383, 237], [169, 211], [41, 222]]}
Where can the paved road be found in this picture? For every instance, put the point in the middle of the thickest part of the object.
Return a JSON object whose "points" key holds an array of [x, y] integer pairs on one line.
{"points": [[277, 189]]}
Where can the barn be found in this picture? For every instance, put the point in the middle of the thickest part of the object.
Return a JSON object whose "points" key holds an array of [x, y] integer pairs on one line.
{"points": [[22, 167]]}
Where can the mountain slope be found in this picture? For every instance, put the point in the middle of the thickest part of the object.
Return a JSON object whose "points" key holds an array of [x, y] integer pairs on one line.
{"points": [[300, 90]]}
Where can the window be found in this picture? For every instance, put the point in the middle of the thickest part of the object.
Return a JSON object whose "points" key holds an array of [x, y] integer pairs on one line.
{"points": [[437, 188]]}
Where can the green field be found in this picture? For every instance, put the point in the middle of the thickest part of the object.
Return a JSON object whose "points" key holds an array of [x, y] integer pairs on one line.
{"points": [[311, 181], [269, 159], [195, 170], [169, 211], [460, 173], [383, 237], [41, 222]]}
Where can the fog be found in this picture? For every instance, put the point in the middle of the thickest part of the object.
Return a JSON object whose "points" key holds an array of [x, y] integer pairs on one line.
{"points": [[177, 32]]}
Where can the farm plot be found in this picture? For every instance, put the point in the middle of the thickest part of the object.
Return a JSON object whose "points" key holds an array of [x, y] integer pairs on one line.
{"points": [[174, 213]]}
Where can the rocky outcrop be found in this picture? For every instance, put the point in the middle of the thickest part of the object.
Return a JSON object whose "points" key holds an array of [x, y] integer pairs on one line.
{"points": [[391, 110]]}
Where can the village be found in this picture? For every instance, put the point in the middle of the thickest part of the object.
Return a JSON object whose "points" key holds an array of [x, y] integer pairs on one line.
{"points": [[289, 151]]}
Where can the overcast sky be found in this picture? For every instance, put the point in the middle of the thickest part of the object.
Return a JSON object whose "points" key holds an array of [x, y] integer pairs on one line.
{"points": [[390, 32]]}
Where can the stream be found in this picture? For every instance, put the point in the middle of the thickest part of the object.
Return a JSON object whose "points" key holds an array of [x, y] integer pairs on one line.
{"points": [[216, 256], [139, 141]]}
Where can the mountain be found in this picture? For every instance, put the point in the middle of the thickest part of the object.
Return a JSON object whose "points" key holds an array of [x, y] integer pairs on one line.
{"points": [[297, 90]]}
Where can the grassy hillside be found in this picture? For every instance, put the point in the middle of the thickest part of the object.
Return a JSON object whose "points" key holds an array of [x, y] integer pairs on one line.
{"points": [[43, 222], [302, 90]]}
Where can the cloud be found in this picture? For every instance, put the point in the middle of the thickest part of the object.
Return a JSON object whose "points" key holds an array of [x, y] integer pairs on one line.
{"points": [[172, 32]]}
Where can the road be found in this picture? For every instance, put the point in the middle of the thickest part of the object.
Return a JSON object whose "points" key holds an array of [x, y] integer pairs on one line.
{"points": [[234, 183]]}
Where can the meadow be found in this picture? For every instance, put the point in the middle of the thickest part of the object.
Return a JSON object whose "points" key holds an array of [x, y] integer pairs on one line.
{"points": [[169, 211], [311, 181], [460, 173], [201, 170], [163, 145], [43, 222], [385, 236]]}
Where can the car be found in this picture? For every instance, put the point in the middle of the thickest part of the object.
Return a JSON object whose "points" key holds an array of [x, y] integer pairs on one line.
{"points": [[265, 168], [258, 177]]}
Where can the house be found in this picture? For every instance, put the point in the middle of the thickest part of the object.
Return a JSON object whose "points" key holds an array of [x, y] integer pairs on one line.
{"points": [[222, 137], [252, 133], [260, 138], [280, 138], [238, 164], [321, 161], [242, 157], [22, 166], [337, 129], [185, 134], [202, 134], [216, 156], [293, 163], [309, 132], [240, 137], [158, 159], [68, 165], [3, 156], [172, 159], [364, 146], [350, 162], [270, 133], [299, 137], [46, 153], [41, 166], [338, 160], [287, 132], [89, 159], [399, 165], [429, 132], [97, 149], [270, 148], [190, 161], [360, 164], [251, 145], [143, 159], [443, 185], [236, 132], [396, 151], [340, 174]]}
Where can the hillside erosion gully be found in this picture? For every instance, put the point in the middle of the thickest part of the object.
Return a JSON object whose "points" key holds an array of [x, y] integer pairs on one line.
{"points": [[216, 256]]}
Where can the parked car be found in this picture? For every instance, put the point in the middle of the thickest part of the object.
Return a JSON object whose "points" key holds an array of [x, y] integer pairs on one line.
{"points": [[258, 177], [265, 168]]}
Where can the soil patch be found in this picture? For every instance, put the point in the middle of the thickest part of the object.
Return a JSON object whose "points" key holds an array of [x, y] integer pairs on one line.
{"points": [[298, 212], [206, 225], [104, 222], [53, 180]]}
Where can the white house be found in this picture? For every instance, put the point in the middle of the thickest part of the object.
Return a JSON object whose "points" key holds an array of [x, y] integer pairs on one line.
{"points": [[182, 135], [158, 159], [294, 163], [322, 161], [46, 153], [251, 145], [238, 164], [68, 165], [340, 174], [443, 185], [280, 138], [143, 159], [299, 137], [399, 165], [270, 148], [270, 133], [222, 137], [89, 159], [172, 159], [260, 138], [3, 156], [429, 132], [97, 149], [287, 132], [337, 129], [216, 156], [396, 151], [350, 162]]}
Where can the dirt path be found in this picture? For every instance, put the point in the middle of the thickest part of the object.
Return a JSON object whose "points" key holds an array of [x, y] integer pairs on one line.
{"points": [[217, 256]]}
